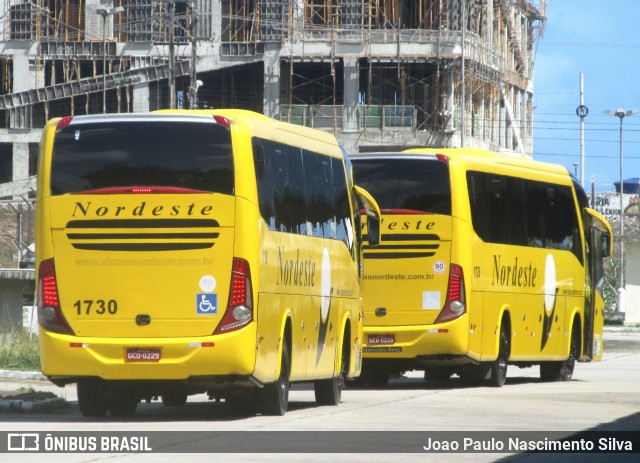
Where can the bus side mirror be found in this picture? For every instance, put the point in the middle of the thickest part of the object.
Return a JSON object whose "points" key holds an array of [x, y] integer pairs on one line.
{"points": [[606, 251], [373, 215]]}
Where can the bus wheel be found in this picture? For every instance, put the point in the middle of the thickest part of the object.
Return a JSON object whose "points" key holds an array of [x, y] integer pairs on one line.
{"points": [[274, 397], [91, 399], [329, 391], [563, 370], [499, 367]]}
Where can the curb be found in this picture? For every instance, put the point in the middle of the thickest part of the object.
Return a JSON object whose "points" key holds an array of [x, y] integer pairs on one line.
{"points": [[22, 375], [27, 400], [622, 329], [32, 405]]}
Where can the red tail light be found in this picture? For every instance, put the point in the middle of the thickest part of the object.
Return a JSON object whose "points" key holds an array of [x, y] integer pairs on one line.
{"points": [[222, 121], [62, 123], [455, 304], [240, 306], [50, 315], [120, 190]]}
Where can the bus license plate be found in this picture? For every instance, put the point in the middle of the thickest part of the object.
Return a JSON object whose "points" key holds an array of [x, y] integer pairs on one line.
{"points": [[143, 355], [381, 339]]}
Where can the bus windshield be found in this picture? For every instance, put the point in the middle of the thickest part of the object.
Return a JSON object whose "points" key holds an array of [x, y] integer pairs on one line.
{"points": [[419, 185], [95, 156]]}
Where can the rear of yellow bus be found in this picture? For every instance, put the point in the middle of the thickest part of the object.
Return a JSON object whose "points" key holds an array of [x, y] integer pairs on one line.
{"points": [[414, 295], [141, 291]]}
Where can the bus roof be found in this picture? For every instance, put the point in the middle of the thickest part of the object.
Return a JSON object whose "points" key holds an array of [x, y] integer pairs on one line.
{"points": [[471, 155], [255, 119]]}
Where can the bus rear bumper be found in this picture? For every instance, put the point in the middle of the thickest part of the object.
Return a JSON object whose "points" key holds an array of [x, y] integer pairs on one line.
{"points": [[65, 357], [426, 345]]}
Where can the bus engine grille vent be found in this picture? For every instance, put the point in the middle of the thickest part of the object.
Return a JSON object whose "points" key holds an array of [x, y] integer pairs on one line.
{"points": [[143, 234]]}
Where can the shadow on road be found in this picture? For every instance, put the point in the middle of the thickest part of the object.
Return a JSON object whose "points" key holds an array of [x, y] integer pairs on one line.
{"points": [[609, 443], [209, 411]]}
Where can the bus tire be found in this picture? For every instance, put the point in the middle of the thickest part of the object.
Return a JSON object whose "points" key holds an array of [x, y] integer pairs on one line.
{"points": [[563, 370], [329, 391], [498, 368], [91, 400], [274, 397]]}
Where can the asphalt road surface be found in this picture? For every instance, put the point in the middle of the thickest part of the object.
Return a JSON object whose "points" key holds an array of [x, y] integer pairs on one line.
{"points": [[602, 397]]}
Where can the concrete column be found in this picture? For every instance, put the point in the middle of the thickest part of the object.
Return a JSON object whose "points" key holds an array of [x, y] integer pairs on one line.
{"points": [[271, 98], [526, 53], [93, 21], [298, 15], [21, 72], [489, 32], [481, 113], [450, 99], [509, 122], [502, 118], [215, 18], [141, 96], [523, 120], [351, 88], [20, 161], [517, 123], [21, 80], [528, 117]]}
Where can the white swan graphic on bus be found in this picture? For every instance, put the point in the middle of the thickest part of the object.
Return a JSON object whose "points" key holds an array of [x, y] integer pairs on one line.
{"points": [[550, 297]]}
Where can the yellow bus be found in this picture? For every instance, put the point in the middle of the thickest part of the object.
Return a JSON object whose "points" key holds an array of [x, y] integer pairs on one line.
{"points": [[183, 252], [485, 260]]}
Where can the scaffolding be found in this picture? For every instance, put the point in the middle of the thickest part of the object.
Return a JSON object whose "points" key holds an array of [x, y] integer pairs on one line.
{"points": [[407, 56]]}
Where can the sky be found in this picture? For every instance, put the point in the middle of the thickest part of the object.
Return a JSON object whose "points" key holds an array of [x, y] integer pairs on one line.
{"points": [[601, 39]]}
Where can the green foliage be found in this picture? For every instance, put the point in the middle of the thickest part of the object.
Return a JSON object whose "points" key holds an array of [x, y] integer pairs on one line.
{"points": [[19, 351], [611, 284]]}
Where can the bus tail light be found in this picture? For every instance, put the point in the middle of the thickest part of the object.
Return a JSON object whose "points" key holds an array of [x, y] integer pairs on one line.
{"points": [[443, 158], [455, 304], [65, 121], [240, 306], [50, 315]]}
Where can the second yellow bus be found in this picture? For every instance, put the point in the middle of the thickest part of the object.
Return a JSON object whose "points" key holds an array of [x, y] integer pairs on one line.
{"points": [[485, 260]]}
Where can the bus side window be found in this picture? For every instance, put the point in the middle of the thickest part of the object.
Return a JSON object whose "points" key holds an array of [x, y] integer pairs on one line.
{"points": [[262, 164], [344, 227]]}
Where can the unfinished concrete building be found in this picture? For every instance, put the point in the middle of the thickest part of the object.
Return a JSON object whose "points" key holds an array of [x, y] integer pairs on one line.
{"points": [[379, 74]]}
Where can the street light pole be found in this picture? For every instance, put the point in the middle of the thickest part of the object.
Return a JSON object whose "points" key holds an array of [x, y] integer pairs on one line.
{"points": [[194, 83], [621, 114], [193, 78], [582, 111], [463, 114], [105, 12], [172, 58]]}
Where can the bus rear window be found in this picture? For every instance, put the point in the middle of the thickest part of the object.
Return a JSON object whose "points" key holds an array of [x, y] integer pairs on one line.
{"points": [[411, 185], [189, 155]]}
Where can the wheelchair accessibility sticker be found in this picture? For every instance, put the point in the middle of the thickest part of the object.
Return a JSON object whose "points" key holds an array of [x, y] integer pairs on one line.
{"points": [[206, 304]]}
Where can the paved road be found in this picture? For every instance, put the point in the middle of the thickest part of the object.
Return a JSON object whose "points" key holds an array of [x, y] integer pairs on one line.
{"points": [[603, 396]]}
